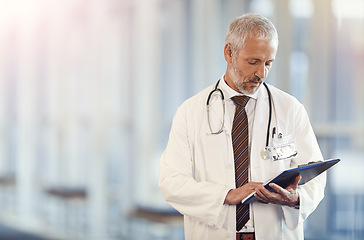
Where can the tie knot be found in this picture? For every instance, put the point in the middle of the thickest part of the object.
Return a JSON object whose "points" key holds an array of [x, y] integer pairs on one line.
{"points": [[240, 100]]}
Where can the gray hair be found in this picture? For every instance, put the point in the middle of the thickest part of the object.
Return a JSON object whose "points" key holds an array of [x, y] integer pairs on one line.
{"points": [[247, 26]]}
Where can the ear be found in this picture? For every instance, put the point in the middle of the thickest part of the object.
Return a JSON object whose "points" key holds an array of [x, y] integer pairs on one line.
{"points": [[228, 53]]}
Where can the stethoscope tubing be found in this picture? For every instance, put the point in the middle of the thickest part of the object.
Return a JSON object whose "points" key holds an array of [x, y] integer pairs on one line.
{"points": [[223, 102], [216, 89], [223, 107], [270, 114]]}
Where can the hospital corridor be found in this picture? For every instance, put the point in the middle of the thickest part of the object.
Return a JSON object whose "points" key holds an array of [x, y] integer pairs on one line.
{"points": [[89, 89]]}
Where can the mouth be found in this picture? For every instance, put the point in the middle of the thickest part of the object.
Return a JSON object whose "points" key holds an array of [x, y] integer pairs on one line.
{"points": [[256, 81]]}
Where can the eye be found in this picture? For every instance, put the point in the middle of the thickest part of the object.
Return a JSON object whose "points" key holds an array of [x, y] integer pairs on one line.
{"points": [[252, 62], [269, 64]]}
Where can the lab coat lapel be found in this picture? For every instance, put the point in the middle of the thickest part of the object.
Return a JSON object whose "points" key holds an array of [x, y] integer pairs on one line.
{"points": [[259, 133], [214, 151]]}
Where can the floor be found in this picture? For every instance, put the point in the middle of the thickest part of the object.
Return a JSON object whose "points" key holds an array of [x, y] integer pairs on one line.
{"points": [[7, 233]]}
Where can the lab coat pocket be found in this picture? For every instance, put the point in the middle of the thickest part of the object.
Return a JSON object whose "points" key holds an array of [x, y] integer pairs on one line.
{"points": [[283, 148]]}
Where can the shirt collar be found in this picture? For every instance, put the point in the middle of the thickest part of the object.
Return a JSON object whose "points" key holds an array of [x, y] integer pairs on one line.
{"points": [[229, 92]]}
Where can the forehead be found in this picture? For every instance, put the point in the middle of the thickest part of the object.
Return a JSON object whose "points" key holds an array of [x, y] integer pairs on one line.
{"points": [[259, 48]]}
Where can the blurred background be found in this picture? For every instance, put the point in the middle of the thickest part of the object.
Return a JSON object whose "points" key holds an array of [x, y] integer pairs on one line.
{"points": [[88, 90]]}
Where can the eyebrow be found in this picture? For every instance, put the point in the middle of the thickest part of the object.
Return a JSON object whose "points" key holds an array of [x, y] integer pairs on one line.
{"points": [[257, 59], [253, 59]]}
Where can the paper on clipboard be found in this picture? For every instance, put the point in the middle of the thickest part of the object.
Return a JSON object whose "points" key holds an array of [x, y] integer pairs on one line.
{"points": [[285, 178]]}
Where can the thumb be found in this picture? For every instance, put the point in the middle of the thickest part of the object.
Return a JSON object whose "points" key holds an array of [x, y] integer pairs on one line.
{"points": [[296, 181]]}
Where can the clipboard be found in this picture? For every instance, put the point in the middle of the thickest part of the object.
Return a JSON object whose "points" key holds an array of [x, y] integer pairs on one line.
{"points": [[285, 178]]}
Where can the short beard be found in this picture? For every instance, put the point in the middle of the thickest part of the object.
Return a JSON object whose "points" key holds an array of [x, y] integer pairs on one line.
{"points": [[239, 84]]}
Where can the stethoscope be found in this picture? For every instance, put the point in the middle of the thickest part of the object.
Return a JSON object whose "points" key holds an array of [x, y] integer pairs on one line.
{"points": [[265, 153]]}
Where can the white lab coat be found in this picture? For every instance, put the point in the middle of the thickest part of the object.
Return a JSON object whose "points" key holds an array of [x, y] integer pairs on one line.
{"points": [[197, 168]]}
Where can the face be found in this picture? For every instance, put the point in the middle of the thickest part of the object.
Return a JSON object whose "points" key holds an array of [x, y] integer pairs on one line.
{"points": [[249, 68]]}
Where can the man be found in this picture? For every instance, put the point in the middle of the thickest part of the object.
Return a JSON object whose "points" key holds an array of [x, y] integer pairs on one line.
{"points": [[199, 169]]}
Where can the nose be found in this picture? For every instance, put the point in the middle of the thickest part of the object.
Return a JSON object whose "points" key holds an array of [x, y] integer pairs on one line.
{"points": [[262, 71]]}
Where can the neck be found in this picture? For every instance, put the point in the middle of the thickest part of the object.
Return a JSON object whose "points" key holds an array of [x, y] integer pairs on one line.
{"points": [[229, 82]]}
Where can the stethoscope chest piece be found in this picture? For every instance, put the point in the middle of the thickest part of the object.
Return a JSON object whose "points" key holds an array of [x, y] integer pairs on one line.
{"points": [[266, 153]]}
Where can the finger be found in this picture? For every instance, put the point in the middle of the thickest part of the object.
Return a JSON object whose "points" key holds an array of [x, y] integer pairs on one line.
{"points": [[261, 200], [277, 188], [297, 180], [261, 194], [294, 185], [269, 196]]}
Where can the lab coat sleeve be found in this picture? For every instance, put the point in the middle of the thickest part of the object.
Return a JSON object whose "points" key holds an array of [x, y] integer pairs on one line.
{"points": [[312, 192], [202, 201]]}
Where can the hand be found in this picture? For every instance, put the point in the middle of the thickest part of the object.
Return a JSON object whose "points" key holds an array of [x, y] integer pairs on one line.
{"points": [[288, 196], [235, 196]]}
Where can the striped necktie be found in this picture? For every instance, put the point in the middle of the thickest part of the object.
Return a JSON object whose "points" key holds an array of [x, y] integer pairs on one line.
{"points": [[240, 138]]}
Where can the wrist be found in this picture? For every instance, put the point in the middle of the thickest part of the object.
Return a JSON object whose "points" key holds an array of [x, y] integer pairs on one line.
{"points": [[227, 198], [297, 204]]}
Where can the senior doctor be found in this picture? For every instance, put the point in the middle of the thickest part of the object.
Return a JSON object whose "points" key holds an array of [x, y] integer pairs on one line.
{"points": [[197, 169]]}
